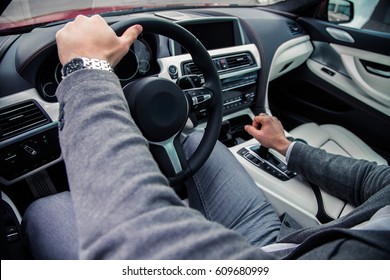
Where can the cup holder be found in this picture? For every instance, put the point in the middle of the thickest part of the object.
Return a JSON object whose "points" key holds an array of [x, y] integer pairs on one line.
{"points": [[232, 131]]}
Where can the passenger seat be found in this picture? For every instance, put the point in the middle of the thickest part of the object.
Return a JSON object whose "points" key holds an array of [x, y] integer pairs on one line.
{"points": [[337, 140]]}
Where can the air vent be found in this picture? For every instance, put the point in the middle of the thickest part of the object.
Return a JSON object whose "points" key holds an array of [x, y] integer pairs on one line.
{"points": [[191, 68], [231, 62], [294, 28], [238, 61], [20, 118]]}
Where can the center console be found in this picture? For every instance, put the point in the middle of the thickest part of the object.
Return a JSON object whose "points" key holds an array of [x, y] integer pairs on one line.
{"points": [[238, 65], [287, 191], [238, 69], [237, 62], [238, 84]]}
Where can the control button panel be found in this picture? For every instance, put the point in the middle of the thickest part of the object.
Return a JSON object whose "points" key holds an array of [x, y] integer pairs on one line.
{"points": [[29, 154], [271, 164]]}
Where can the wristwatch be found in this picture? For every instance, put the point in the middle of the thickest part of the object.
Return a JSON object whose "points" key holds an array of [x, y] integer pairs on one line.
{"points": [[84, 63]]}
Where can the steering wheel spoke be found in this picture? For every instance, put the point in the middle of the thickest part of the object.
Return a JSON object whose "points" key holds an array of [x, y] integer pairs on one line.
{"points": [[171, 153]]}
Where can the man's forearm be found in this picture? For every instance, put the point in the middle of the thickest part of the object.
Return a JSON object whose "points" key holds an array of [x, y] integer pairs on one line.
{"points": [[349, 179]]}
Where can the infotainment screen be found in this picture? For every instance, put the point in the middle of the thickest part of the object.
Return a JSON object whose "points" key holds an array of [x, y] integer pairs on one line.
{"points": [[221, 33]]}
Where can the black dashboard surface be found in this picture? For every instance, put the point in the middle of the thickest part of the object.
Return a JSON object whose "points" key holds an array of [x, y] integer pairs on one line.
{"points": [[31, 60]]}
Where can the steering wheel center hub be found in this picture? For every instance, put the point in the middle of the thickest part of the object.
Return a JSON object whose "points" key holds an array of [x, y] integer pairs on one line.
{"points": [[158, 106]]}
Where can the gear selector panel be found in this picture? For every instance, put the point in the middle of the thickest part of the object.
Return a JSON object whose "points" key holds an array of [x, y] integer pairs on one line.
{"points": [[267, 162]]}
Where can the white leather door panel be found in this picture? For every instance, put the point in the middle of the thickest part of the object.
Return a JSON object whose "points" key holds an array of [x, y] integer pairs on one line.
{"points": [[374, 81]]}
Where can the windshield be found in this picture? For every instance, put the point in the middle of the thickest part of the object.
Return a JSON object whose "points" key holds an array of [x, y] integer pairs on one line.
{"points": [[19, 13]]}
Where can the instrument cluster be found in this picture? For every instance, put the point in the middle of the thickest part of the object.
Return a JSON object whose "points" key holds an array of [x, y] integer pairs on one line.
{"points": [[139, 62]]}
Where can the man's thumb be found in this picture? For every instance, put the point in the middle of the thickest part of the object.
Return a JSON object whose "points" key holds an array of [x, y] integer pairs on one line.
{"points": [[250, 129], [131, 34]]}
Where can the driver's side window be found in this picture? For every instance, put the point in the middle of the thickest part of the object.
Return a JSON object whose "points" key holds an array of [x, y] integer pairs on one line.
{"points": [[361, 14]]}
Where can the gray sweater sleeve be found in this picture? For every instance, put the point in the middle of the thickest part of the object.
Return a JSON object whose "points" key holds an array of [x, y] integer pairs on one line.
{"points": [[123, 204], [352, 180]]}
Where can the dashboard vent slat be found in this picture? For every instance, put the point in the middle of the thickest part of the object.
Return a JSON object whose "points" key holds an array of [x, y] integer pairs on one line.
{"points": [[241, 60], [20, 118], [191, 68]]}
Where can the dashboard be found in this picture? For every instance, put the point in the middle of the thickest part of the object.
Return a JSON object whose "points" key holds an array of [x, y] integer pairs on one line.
{"points": [[246, 52]]}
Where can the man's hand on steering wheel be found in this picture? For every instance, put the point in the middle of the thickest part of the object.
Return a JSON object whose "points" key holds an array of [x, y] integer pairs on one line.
{"points": [[92, 37]]}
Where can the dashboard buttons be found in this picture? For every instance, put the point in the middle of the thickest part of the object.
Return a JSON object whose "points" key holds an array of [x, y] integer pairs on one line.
{"points": [[173, 72]]}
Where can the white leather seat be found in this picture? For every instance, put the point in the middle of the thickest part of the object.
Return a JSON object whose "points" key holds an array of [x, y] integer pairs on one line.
{"points": [[337, 140]]}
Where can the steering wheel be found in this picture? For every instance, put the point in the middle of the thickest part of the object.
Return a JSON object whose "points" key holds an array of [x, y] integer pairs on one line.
{"points": [[160, 108]]}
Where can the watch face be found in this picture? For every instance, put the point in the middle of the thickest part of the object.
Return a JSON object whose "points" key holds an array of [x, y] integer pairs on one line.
{"points": [[73, 65]]}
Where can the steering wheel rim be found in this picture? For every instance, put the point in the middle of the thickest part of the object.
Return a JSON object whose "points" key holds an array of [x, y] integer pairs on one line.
{"points": [[204, 62]]}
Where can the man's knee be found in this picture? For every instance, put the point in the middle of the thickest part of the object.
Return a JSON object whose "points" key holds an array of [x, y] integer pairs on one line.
{"points": [[49, 227]]}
